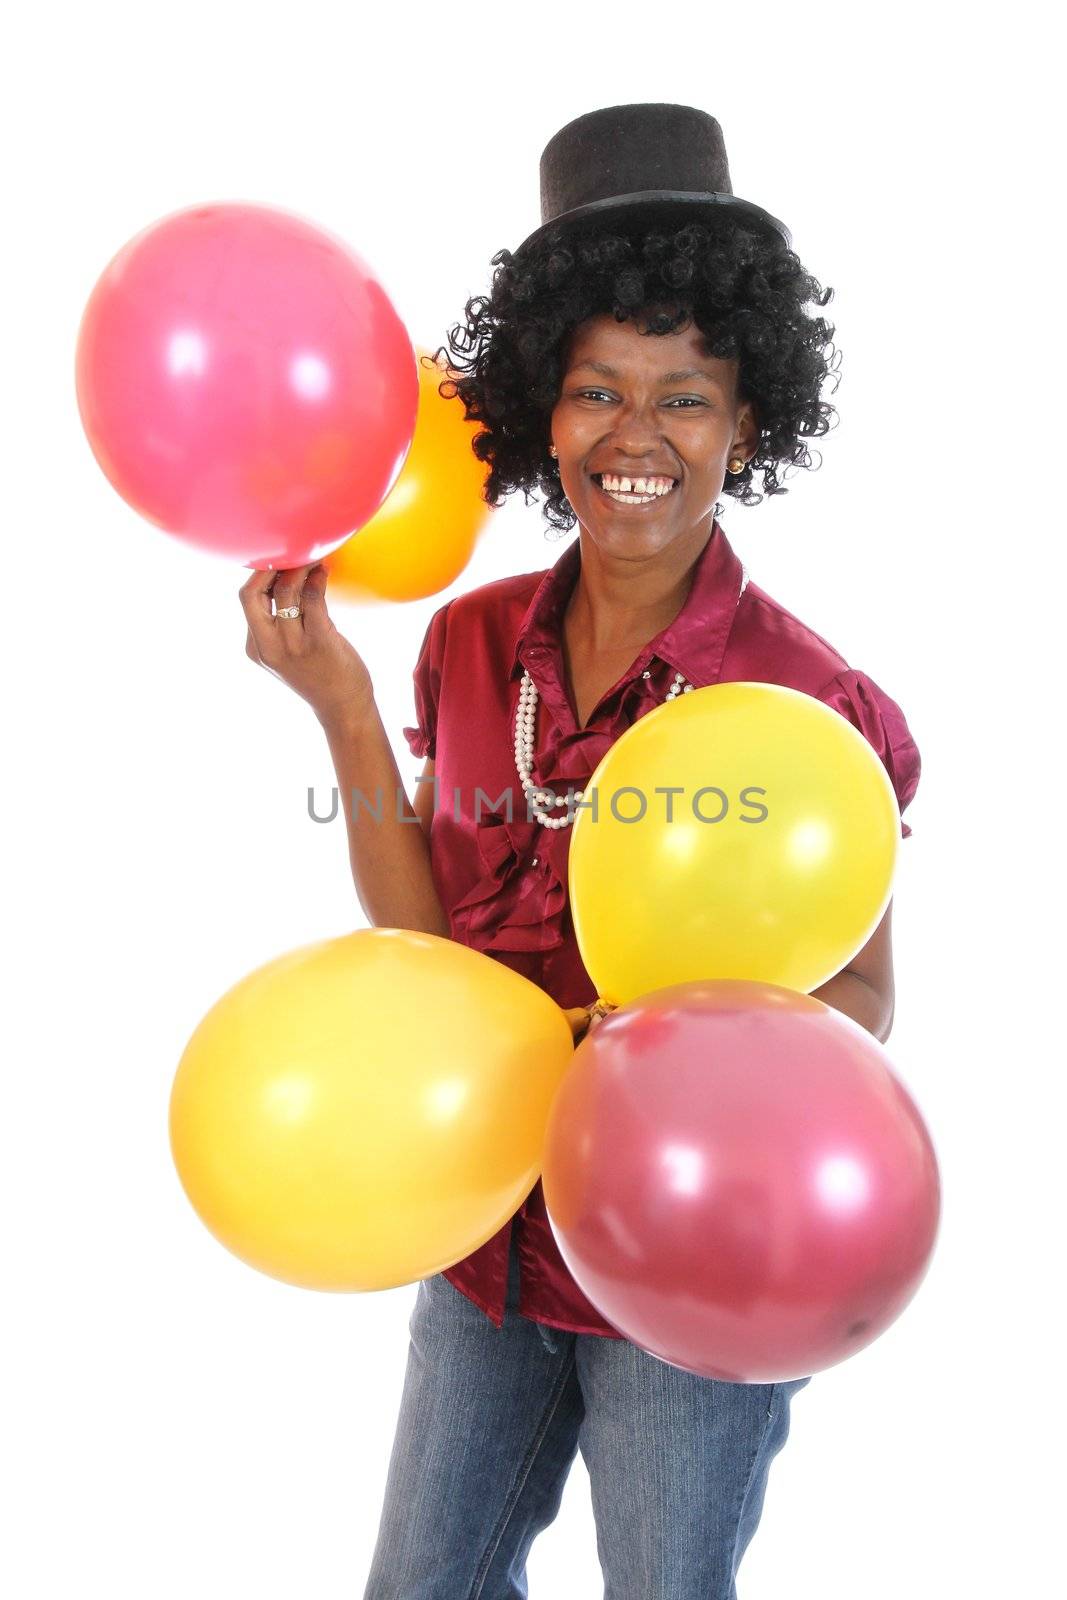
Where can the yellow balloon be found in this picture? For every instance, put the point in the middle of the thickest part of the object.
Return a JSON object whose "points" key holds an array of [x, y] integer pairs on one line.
{"points": [[367, 1110], [776, 864], [424, 532]]}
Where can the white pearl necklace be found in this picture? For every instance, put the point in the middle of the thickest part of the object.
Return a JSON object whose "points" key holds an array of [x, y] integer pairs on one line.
{"points": [[526, 721]]}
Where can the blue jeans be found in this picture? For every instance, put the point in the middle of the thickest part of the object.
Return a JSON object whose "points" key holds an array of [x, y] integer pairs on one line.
{"points": [[490, 1422]]}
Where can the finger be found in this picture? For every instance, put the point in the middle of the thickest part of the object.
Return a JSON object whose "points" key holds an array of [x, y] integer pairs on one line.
{"points": [[291, 583], [577, 1018], [255, 596], [317, 579], [290, 591], [316, 616], [255, 592], [596, 1017]]}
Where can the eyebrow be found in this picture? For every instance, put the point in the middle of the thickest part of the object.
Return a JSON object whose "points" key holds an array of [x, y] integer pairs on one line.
{"points": [[668, 377]]}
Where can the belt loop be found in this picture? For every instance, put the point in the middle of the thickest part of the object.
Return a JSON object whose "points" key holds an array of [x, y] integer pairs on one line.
{"points": [[548, 1338]]}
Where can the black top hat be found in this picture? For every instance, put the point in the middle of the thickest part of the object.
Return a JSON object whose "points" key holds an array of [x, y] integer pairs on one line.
{"points": [[652, 164]]}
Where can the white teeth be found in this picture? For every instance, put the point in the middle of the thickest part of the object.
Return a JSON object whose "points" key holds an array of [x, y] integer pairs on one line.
{"points": [[649, 486]]}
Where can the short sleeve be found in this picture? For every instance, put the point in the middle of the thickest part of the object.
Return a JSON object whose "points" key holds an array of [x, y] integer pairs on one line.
{"points": [[422, 738], [882, 724]]}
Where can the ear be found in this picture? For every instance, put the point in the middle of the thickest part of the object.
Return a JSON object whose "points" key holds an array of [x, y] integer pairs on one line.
{"points": [[747, 438]]}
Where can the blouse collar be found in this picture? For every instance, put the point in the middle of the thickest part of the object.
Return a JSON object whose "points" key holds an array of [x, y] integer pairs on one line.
{"points": [[694, 643]]}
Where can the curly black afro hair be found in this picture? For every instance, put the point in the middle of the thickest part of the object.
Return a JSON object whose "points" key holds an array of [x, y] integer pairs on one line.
{"points": [[746, 293]]}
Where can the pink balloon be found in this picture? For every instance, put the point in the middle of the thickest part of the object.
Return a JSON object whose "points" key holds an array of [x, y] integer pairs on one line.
{"points": [[739, 1182], [246, 384]]}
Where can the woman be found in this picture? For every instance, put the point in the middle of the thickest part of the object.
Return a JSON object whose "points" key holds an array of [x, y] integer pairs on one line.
{"points": [[645, 350]]}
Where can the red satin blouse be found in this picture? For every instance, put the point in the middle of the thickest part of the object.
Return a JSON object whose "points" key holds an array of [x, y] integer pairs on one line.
{"points": [[503, 883]]}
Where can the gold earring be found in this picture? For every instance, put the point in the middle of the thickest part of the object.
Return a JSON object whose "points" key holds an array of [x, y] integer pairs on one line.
{"points": [[552, 450], [736, 464]]}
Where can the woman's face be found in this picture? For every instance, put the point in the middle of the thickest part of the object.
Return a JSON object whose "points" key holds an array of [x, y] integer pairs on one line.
{"points": [[623, 409]]}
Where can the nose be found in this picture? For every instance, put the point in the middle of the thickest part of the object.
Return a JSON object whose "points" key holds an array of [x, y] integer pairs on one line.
{"points": [[637, 432]]}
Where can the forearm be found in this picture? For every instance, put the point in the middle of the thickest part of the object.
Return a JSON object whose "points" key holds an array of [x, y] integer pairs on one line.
{"points": [[846, 991], [389, 853]]}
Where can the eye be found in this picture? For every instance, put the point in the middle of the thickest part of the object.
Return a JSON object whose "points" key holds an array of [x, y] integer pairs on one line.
{"points": [[688, 400]]}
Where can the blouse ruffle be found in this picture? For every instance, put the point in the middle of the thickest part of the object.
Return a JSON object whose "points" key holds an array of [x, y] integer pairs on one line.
{"points": [[515, 905], [521, 902]]}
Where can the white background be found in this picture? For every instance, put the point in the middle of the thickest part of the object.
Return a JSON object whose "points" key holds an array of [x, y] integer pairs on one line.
{"points": [[176, 1424]]}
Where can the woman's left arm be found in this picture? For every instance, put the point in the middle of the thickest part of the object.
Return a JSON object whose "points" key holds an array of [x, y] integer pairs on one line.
{"points": [[864, 990]]}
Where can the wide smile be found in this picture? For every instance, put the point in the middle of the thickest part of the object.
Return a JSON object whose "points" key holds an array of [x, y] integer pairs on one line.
{"points": [[630, 502]]}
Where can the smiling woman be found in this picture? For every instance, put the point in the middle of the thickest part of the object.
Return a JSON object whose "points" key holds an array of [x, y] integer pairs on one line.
{"points": [[649, 348], [739, 359], [654, 443]]}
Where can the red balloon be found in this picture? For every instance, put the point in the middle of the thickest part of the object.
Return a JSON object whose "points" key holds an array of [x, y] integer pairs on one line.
{"points": [[246, 384], [739, 1182]]}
